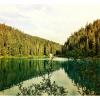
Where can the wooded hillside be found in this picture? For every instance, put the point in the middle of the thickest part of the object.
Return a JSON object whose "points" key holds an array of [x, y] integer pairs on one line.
{"points": [[16, 43], [84, 42]]}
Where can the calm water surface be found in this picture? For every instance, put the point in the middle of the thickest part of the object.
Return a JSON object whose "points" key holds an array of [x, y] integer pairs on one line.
{"points": [[79, 77]]}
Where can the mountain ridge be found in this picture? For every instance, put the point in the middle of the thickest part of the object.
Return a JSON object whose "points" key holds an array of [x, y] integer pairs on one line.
{"points": [[85, 42], [15, 42]]}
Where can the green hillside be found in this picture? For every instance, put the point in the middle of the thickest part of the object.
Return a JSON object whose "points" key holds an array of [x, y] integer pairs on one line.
{"points": [[84, 43], [16, 43]]}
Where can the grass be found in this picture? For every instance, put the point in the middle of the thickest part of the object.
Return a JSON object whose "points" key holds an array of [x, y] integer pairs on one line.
{"points": [[24, 56]]}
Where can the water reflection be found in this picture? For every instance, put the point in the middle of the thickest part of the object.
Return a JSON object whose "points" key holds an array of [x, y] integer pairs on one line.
{"points": [[44, 87], [85, 74], [13, 71]]}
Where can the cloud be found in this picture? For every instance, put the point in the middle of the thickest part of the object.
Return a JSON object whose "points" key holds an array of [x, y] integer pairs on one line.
{"points": [[53, 22]]}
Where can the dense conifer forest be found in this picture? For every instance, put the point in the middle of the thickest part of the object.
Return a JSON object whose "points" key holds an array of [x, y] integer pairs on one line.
{"points": [[14, 42], [84, 43]]}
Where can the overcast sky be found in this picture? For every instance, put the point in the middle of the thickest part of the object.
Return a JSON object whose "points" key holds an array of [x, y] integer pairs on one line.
{"points": [[53, 22]]}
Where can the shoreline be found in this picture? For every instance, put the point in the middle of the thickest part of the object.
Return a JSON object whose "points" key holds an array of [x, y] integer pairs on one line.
{"points": [[23, 57], [27, 57]]}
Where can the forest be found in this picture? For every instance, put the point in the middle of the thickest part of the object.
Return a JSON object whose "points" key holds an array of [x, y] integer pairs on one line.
{"points": [[14, 42], [84, 43]]}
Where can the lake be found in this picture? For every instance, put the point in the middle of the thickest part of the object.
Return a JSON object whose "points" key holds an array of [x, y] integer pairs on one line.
{"points": [[77, 77]]}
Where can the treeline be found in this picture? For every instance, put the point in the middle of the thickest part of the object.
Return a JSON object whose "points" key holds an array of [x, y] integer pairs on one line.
{"points": [[16, 43], [84, 43]]}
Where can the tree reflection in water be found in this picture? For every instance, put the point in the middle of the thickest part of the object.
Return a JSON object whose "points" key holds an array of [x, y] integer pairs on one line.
{"points": [[85, 74], [45, 87]]}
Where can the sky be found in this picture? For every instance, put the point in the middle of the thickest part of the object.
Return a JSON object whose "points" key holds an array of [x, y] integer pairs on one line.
{"points": [[54, 22]]}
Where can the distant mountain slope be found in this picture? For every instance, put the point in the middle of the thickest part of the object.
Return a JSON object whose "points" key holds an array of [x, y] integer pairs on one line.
{"points": [[14, 43], [84, 42]]}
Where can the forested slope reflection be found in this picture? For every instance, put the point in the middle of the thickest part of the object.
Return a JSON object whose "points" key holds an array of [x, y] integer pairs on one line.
{"points": [[85, 74], [13, 71]]}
